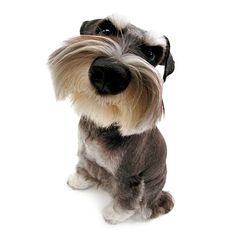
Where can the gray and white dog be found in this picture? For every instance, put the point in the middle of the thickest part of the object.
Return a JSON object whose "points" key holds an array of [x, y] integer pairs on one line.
{"points": [[109, 74]]}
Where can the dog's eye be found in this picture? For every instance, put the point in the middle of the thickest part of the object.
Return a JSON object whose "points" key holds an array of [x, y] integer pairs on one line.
{"points": [[152, 54], [106, 32], [106, 28]]}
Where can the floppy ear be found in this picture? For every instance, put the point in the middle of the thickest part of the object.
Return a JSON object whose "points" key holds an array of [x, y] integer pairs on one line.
{"points": [[89, 27], [168, 60]]}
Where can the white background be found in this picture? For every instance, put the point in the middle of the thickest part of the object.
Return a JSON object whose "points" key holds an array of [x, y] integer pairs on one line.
{"points": [[39, 136]]}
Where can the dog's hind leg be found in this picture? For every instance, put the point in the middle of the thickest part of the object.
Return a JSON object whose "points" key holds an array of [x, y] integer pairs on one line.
{"points": [[163, 205]]}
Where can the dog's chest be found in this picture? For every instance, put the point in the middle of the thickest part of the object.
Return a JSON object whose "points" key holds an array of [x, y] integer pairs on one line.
{"points": [[95, 150]]}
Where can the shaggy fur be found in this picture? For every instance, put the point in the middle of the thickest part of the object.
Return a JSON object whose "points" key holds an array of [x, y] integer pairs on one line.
{"points": [[121, 148], [136, 110]]}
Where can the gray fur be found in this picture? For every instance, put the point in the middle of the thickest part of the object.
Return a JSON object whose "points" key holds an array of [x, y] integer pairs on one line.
{"points": [[141, 171]]}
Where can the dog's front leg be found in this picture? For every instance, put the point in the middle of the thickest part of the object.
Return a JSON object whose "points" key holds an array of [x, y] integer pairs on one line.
{"points": [[80, 180], [127, 198], [115, 214]]}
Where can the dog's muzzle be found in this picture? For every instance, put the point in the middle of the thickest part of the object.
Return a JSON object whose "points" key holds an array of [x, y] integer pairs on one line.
{"points": [[109, 77]]}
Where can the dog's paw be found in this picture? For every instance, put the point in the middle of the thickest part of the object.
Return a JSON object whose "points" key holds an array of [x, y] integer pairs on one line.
{"points": [[77, 181], [113, 216]]}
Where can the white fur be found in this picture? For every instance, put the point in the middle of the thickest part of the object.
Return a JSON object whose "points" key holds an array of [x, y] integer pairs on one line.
{"points": [[95, 153], [118, 215], [119, 21], [77, 181], [153, 39]]}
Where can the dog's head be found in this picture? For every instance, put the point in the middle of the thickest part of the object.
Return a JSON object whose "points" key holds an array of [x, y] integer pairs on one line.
{"points": [[109, 73]]}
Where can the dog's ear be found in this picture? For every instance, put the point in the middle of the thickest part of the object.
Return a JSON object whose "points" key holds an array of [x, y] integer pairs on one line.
{"points": [[167, 60], [89, 27]]}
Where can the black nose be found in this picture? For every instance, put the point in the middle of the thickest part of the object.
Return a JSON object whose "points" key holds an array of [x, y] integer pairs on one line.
{"points": [[109, 77]]}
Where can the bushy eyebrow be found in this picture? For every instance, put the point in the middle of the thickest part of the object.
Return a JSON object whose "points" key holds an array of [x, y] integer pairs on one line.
{"points": [[119, 22], [152, 39]]}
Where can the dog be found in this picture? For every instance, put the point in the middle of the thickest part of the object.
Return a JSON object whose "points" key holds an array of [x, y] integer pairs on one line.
{"points": [[109, 74]]}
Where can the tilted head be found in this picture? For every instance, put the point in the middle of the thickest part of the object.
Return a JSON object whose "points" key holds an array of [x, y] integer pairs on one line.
{"points": [[109, 74]]}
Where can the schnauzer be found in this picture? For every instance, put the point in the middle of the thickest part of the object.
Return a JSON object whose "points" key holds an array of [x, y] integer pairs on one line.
{"points": [[109, 74]]}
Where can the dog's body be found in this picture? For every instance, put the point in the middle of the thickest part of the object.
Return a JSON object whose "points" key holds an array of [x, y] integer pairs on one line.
{"points": [[113, 84]]}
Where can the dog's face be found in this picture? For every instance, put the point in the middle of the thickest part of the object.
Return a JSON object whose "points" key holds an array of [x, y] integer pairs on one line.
{"points": [[109, 73]]}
